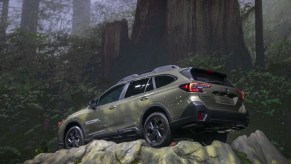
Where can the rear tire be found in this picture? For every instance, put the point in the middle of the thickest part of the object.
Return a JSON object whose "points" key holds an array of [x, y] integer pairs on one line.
{"points": [[157, 131], [74, 138]]}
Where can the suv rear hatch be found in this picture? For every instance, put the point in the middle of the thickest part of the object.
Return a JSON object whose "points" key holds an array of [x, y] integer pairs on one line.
{"points": [[219, 94]]}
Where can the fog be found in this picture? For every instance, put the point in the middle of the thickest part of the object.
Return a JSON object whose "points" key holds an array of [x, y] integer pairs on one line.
{"points": [[57, 15]]}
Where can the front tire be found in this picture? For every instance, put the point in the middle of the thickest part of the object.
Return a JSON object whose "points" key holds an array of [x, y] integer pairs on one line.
{"points": [[157, 131], [74, 137]]}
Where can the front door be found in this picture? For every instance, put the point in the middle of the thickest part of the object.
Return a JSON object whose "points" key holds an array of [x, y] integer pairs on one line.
{"points": [[104, 116]]}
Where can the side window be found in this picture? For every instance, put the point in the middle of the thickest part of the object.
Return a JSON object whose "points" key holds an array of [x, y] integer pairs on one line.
{"points": [[137, 87], [111, 95], [163, 80]]}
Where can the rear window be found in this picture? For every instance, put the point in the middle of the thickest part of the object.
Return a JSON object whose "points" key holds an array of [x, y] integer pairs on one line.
{"points": [[207, 76]]}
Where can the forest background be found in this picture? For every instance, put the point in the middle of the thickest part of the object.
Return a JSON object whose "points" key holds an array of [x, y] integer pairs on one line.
{"points": [[57, 55]]}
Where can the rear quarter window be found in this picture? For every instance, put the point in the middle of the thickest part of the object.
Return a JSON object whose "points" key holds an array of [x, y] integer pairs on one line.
{"points": [[163, 80]]}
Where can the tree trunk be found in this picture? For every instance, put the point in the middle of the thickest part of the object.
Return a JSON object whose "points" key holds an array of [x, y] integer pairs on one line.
{"points": [[4, 19], [29, 17], [167, 31], [179, 28], [3, 23], [81, 17], [115, 47], [260, 56]]}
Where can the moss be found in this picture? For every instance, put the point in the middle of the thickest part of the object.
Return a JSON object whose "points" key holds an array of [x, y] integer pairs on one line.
{"points": [[243, 158]]}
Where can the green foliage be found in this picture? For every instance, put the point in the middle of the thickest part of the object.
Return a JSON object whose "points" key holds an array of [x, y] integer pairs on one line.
{"points": [[9, 155], [243, 158], [207, 62], [279, 52], [42, 148], [78, 161], [263, 90], [43, 79]]}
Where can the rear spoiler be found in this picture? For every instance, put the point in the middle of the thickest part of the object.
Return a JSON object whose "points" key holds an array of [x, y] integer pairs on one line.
{"points": [[210, 72]]}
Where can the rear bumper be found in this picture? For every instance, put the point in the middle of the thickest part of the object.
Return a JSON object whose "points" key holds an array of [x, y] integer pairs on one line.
{"points": [[214, 119]]}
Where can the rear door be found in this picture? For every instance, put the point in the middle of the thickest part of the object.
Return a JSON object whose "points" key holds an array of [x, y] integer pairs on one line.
{"points": [[222, 95], [136, 99]]}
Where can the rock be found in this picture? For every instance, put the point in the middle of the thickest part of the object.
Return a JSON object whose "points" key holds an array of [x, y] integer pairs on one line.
{"points": [[105, 152], [258, 149]]}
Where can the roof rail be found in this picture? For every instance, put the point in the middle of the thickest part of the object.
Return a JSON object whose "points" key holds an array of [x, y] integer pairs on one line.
{"points": [[156, 70], [165, 68], [129, 77]]}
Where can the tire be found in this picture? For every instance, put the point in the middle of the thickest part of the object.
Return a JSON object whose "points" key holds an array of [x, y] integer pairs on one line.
{"points": [[206, 138], [74, 138], [157, 131]]}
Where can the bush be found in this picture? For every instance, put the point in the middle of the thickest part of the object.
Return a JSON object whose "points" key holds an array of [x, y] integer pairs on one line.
{"points": [[43, 84], [9, 155]]}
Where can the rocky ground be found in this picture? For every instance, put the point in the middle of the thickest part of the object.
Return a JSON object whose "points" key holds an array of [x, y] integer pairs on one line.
{"points": [[253, 149]]}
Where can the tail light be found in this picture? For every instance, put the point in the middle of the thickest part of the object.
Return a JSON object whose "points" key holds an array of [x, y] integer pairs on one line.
{"points": [[194, 87], [199, 116], [60, 124], [242, 95]]}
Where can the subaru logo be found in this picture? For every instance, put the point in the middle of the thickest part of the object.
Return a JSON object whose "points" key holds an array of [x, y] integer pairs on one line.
{"points": [[226, 90]]}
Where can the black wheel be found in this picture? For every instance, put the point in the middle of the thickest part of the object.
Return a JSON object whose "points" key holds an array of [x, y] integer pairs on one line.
{"points": [[74, 137], [206, 138], [157, 130]]}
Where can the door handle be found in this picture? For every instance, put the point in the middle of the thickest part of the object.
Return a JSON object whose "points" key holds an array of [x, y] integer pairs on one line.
{"points": [[144, 98], [112, 107]]}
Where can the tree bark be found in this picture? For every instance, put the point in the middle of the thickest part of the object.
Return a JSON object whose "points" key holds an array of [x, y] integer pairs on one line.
{"points": [[182, 28], [116, 44], [4, 19], [3, 24], [81, 17], [29, 17], [167, 31], [260, 56]]}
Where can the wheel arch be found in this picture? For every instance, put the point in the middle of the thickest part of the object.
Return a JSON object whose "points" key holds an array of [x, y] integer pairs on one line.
{"points": [[152, 109], [71, 124]]}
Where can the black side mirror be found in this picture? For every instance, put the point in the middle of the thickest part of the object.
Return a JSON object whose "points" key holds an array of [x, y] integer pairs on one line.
{"points": [[92, 104]]}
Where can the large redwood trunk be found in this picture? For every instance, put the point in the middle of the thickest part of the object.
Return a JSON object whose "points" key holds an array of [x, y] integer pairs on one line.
{"points": [[166, 31], [116, 43], [29, 16], [4, 19]]}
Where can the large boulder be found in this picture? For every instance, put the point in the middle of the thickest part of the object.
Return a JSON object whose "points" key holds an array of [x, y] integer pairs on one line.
{"points": [[104, 152], [258, 148]]}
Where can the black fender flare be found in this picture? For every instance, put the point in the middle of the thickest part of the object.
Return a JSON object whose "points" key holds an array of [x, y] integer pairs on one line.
{"points": [[151, 109]]}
